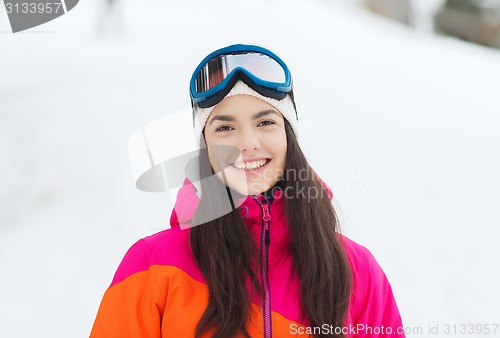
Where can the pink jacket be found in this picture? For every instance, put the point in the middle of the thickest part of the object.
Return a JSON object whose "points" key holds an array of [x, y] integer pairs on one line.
{"points": [[158, 290]]}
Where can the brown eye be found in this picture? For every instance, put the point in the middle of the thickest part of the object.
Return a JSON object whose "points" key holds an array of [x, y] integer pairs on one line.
{"points": [[222, 129], [267, 123]]}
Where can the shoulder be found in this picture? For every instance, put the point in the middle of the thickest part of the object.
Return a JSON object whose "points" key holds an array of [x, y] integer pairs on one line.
{"points": [[165, 248], [359, 256], [169, 240], [366, 271], [368, 278]]}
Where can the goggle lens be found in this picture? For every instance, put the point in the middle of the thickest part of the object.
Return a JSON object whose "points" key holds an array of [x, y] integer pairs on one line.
{"points": [[258, 64]]}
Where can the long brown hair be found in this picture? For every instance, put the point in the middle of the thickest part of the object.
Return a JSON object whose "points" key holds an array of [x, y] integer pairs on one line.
{"points": [[226, 254]]}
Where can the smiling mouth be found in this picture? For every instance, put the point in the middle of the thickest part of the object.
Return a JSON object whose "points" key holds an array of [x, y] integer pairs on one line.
{"points": [[253, 165]]}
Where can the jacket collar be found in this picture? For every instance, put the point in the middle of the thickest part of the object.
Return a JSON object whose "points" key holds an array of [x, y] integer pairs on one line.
{"points": [[188, 200]]}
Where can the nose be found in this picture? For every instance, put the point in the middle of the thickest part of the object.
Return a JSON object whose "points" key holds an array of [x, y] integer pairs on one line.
{"points": [[249, 140]]}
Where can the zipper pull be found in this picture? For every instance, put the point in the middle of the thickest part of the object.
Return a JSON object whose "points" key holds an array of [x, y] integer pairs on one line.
{"points": [[267, 216]]}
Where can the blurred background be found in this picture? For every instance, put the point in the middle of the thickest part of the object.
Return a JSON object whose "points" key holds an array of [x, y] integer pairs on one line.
{"points": [[398, 109]]}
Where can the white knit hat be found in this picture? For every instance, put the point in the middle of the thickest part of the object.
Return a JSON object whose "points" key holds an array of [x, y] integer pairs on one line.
{"points": [[286, 107]]}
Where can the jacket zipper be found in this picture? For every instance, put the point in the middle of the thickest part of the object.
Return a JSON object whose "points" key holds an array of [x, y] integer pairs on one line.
{"points": [[264, 265]]}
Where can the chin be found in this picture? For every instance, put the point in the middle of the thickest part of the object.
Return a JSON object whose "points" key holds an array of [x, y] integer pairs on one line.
{"points": [[259, 188], [248, 191]]}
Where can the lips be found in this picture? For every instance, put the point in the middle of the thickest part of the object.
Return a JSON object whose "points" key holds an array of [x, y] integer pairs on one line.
{"points": [[251, 165]]}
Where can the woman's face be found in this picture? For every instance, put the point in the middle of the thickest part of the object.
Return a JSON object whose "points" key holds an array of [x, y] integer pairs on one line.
{"points": [[256, 130]]}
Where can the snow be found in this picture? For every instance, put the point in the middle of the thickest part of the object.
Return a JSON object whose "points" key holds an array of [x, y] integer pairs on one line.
{"points": [[402, 125]]}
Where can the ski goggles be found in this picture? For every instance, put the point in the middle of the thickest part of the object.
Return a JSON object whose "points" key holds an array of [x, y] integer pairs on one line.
{"points": [[258, 67]]}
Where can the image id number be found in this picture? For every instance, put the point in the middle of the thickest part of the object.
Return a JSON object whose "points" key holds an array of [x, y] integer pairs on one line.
{"points": [[470, 329], [25, 7]]}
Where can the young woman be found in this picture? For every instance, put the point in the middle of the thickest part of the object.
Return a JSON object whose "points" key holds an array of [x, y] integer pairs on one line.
{"points": [[254, 248]]}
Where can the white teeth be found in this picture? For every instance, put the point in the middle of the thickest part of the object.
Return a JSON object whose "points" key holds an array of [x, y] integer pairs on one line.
{"points": [[250, 165]]}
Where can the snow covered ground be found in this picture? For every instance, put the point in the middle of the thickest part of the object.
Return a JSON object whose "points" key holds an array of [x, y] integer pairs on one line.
{"points": [[403, 127]]}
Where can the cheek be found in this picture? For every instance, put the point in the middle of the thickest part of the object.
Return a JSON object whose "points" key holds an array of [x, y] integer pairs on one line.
{"points": [[279, 148], [214, 158], [283, 157], [221, 156]]}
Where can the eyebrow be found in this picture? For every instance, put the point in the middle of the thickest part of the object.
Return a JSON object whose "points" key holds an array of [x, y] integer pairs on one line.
{"points": [[232, 119]]}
